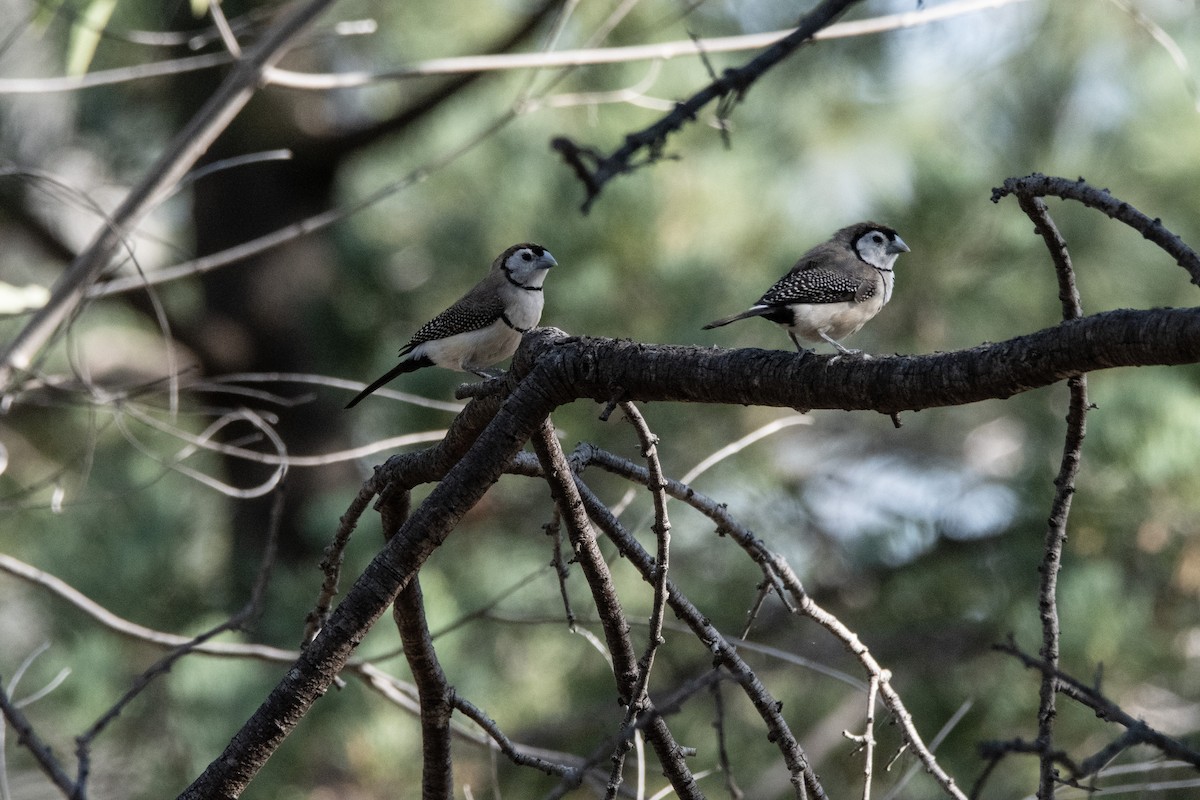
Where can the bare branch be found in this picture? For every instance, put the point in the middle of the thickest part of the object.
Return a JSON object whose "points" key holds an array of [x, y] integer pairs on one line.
{"points": [[1106, 710], [42, 753], [804, 779], [433, 688], [779, 378], [1056, 530], [866, 740], [1038, 185], [629, 677], [331, 563], [663, 51], [662, 530], [483, 439], [477, 64], [519, 756], [808, 607], [646, 146]]}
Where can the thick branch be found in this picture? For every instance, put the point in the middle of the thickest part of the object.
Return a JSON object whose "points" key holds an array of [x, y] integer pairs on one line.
{"points": [[552, 369], [602, 368], [377, 587]]}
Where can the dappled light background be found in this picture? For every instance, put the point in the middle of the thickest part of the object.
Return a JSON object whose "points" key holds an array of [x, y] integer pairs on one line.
{"points": [[924, 539]]}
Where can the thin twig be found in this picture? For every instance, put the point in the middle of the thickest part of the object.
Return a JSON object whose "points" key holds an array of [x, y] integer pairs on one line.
{"points": [[804, 779], [1039, 185], [513, 752], [553, 529], [808, 607], [42, 753], [735, 791], [1060, 508], [866, 740], [616, 629], [1104, 709], [656, 483], [331, 562]]}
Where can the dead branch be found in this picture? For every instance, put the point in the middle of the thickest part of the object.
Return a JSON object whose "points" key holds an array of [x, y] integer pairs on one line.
{"points": [[646, 146]]}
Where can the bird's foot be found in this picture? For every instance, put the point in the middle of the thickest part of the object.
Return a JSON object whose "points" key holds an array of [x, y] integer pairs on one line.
{"points": [[845, 351], [491, 382]]}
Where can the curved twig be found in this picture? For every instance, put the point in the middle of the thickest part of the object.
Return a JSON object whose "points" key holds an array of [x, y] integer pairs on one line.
{"points": [[1039, 185]]}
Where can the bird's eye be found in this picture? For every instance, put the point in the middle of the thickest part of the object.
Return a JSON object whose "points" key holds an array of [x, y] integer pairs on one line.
{"points": [[526, 255], [877, 238]]}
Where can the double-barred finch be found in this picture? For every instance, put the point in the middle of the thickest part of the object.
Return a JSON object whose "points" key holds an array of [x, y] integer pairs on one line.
{"points": [[485, 325], [834, 289]]}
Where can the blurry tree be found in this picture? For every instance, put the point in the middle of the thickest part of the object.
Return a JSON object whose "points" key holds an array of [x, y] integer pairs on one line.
{"points": [[295, 204]]}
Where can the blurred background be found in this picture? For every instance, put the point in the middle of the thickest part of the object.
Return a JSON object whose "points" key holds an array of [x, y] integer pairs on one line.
{"points": [[924, 539]]}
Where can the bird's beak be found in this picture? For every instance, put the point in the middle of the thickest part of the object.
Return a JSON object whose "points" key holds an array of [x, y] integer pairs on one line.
{"points": [[548, 260], [898, 246]]}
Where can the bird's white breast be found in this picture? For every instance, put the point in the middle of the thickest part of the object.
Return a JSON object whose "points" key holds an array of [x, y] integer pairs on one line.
{"points": [[524, 307], [472, 350]]}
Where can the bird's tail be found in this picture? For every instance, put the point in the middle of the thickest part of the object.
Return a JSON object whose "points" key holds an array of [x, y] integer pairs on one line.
{"points": [[407, 365], [756, 311]]}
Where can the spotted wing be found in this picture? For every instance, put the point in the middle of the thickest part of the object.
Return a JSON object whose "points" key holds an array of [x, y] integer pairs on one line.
{"points": [[813, 286], [474, 311]]}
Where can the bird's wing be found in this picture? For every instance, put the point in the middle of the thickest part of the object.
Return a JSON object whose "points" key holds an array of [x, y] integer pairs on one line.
{"points": [[473, 311], [814, 285]]}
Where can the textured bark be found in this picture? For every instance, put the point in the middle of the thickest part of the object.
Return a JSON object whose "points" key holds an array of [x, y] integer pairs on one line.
{"points": [[611, 369]]}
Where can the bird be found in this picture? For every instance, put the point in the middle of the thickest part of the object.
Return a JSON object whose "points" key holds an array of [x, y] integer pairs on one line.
{"points": [[485, 325], [834, 289]]}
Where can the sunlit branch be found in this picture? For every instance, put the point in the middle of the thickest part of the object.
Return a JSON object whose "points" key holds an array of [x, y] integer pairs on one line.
{"points": [[866, 740], [309, 225], [618, 55], [280, 457], [109, 77], [806, 606], [222, 382], [224, 30], [504, 62], [131, 630]]}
